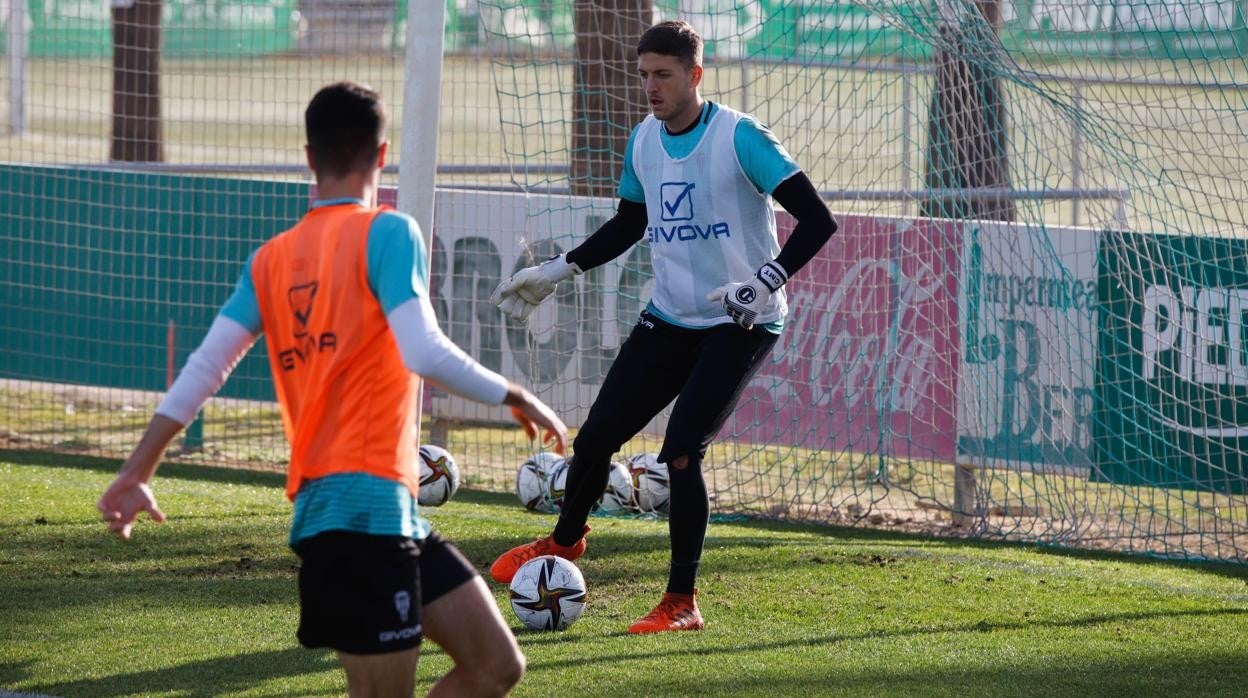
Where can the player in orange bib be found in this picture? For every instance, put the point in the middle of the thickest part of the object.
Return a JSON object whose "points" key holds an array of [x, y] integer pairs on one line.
{"points": [[342, 301]]}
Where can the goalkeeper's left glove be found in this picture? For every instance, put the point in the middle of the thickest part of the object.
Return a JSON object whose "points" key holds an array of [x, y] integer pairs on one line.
{"points": [[743, 301]]}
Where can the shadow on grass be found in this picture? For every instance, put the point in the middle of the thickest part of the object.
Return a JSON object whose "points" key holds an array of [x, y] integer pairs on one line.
{"points": [[833, 639], [208, 677]]}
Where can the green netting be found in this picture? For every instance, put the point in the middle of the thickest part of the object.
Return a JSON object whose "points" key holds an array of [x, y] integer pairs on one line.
{"points": [[1058, 181], [1030, 325]]}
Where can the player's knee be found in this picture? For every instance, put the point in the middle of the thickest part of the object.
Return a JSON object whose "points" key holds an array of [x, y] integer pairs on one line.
{"points": [[501, 674], [687, 461]]}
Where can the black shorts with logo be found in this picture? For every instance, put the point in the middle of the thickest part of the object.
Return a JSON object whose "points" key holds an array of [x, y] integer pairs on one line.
{"points": [[362, 594]]}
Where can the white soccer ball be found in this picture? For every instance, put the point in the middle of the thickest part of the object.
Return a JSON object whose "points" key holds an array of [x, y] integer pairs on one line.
{"points": [[439, 476], [618, 497], [548, 593], [533, 482], [651, 491], [557, 485]]}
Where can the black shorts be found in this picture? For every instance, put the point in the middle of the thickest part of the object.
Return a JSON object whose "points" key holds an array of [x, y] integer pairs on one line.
{"points": [[362, 594]]}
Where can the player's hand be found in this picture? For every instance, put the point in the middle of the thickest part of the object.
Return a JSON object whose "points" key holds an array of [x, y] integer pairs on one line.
{"points": [[527, 288], [743, 301], [534, 415], [516, 307], [123, 501]]}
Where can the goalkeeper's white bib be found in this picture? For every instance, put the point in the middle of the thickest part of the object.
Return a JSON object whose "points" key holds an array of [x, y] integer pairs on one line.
{"points": [[707, 225]]}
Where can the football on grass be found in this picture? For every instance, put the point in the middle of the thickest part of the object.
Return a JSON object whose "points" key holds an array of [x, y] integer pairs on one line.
{"points": [[533, 482], [650, 483], [439, 476], [548, 593]]}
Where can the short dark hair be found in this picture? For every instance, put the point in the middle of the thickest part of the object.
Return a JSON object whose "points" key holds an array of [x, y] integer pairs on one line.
{"points": [[346, 125], [673, 38]]}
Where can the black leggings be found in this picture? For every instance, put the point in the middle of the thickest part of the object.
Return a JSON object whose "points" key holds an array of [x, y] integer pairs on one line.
{"points": [[704, 371]]}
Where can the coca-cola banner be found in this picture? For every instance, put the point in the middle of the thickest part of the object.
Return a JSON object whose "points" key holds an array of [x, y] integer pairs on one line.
{"points": [[868, 360]]}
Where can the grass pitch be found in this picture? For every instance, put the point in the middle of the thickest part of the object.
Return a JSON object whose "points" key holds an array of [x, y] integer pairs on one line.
{"points": [[205, 605]]}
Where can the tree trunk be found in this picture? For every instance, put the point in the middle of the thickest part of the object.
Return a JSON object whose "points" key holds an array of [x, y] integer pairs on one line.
{"points": [[136, 83], [967, 133], [608, 99]]}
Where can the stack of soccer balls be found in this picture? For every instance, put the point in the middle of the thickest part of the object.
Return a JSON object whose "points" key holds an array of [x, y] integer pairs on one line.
{"points": [[640, 485]]}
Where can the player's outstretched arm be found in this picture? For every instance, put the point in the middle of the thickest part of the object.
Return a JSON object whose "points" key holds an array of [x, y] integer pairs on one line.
{"points": [[534, 415], [428, 352], [131, 494], [205, 372]]}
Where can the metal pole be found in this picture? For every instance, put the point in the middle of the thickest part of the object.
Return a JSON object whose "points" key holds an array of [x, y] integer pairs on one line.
{"points": [[907, 170], [1076, 152], [418, 156], [17, 67]]}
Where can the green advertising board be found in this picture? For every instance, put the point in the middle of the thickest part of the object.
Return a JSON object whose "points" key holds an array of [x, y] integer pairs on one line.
{"points": [[1172, 375], [99, 263], [772, 30], [1163, 29], [189, 28]]}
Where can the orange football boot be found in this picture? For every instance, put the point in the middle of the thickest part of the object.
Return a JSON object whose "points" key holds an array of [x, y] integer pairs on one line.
{"points": [[674, 612], [507, 564]]}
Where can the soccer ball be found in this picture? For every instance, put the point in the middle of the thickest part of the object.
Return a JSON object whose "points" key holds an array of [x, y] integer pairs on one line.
{"points": [[650, 483], [618, 497], [557, 486], [439, 476], [533, 482], [548, 593]]}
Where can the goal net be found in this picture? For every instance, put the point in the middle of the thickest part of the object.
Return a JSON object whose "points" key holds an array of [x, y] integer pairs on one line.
{"points": [[1029, 325]]}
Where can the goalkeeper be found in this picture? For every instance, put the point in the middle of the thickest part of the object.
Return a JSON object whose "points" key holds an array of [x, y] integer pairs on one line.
{"points": [[697, 184]]}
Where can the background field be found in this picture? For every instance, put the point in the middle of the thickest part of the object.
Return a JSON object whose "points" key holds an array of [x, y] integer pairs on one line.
{"points": [[1175, 145], [205, 604]]}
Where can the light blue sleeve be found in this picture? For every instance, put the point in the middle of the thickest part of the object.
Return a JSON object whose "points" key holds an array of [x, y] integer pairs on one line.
{"points": [[242, 306], [766, 163], [397, 260], [630, 185]]}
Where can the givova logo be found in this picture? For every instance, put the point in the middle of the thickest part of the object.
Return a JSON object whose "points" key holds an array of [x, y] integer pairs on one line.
{"points": [[676, 206], [306, 343], [677, 201]]}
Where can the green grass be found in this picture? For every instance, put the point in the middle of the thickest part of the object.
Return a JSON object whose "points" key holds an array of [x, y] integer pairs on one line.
{"points": [[206, 604]]}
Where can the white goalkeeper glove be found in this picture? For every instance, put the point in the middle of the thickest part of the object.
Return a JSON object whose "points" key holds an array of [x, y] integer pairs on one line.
{"points": [[743, 301], [527, 288]]}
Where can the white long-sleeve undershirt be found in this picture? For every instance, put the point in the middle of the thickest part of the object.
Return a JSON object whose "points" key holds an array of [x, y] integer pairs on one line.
{"points": [[425, 349]]}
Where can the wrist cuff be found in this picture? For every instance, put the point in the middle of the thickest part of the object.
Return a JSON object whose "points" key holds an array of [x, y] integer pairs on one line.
{"points": [[560, 269], [772, 275]]}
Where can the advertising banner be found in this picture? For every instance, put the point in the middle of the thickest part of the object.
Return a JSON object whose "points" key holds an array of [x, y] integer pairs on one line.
{"points": [[189, 28], [1172, 29], [868, 358], [867, 361], [1029, 350], [1173, 373]]}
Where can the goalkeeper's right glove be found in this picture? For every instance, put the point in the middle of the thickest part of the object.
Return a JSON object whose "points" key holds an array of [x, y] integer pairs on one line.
{"points": [[527, 288]]}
